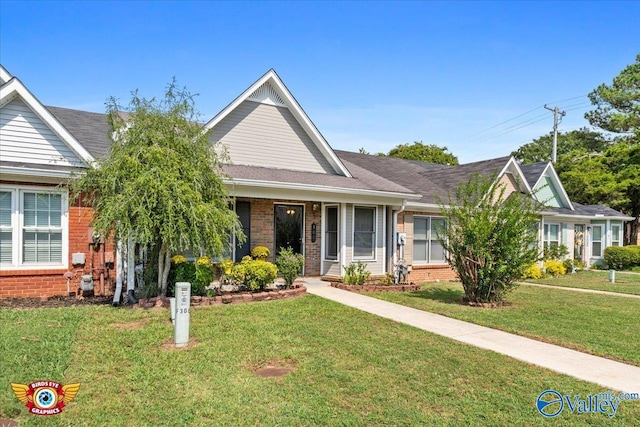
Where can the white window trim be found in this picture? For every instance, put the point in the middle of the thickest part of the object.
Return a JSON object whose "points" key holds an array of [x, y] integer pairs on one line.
{"points": [[375, 233], [427, 262], [324, 233], [601, 241], [544, 234], [17, 223], [617, 238]]}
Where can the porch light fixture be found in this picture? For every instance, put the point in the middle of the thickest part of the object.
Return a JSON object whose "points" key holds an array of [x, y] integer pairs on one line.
{"points": [[316, 207], [291, 211]]}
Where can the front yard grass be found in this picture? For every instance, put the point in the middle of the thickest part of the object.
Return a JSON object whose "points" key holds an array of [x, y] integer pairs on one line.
{"points": [[603, 325], [351, 368], [625, 283]]}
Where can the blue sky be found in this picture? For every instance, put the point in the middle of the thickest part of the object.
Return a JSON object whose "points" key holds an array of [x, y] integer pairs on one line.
{"points": [[472, 76]]}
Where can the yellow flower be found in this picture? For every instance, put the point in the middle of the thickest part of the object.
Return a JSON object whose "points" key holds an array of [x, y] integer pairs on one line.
{"points": [[260, 252], [178, 259], [204, 260]]}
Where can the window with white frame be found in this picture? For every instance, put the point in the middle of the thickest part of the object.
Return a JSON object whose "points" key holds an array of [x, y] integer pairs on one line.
{"points": [[32, 228], [6, 227], [364, 232], [331, 233], [552, 235], [596, 241], [427, 246], [616, 235]]}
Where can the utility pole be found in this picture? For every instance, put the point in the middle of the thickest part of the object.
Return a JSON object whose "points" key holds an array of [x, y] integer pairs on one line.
{"points": [[556, 113]]}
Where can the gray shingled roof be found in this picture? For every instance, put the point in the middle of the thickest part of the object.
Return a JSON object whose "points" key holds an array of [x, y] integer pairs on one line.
{"points": [[533, 171], [430, 180], [90, 129]]}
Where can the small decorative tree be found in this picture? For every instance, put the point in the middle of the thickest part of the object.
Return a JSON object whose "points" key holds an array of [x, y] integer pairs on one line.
{"points": [[490, 238], [289, 265]]}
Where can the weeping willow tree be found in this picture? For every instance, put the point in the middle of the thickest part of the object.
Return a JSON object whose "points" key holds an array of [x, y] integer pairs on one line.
{"points": [[161, 181]]}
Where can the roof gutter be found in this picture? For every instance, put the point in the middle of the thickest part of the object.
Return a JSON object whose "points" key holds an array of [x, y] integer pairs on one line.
{"points": [[319, 188]]}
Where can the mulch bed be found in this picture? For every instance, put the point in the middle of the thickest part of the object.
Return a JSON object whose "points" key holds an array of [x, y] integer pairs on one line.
{"points": [[377, 288], [52, 302]]}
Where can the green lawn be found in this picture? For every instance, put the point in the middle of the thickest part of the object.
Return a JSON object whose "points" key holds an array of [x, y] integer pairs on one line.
{"points": [[626, 283], [351, 368], [599, 324]]}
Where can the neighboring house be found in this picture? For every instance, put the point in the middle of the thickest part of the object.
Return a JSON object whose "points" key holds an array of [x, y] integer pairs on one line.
{"points": [[289, 186]]}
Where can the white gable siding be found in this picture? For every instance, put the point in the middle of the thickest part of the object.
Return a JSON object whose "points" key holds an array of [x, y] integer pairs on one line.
{"points": [[25, 138], [547, 193], [257, 134]]}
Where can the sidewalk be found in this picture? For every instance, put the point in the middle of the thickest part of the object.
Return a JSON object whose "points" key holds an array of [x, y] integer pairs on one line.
{"points": [[589, 291], [607, 373]]}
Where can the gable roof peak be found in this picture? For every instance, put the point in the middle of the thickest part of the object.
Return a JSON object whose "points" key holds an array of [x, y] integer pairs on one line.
{"points": [[270, 89]]}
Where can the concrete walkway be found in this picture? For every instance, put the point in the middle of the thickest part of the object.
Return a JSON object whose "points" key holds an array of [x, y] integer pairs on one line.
{"points": [[607, 373], [588, 291]]}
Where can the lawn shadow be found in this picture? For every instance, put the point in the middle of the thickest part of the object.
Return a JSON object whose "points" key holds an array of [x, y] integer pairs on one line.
{"points": [[447, 296]]}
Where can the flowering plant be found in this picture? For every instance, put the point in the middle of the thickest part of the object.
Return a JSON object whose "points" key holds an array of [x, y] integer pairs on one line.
{"points": [[260, 252], [178, 259], [204, 261]]}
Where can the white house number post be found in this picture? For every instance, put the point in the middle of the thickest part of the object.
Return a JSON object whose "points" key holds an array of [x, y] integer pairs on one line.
{"points": [[183, 303]]}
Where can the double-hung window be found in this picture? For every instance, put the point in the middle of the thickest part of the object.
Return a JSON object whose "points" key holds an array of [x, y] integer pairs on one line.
{"points": [[551, 235], [596, 241], [616, 235], [427, 246], [364, 232], [32, 228]]}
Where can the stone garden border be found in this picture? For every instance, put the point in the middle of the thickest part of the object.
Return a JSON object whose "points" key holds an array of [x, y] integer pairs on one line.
{"points": [[296, 290]]}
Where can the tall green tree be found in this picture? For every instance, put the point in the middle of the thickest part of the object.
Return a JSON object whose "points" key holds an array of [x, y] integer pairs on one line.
{"points": [[618, 105], [430, 153], [539, 150], [489, 238], [161, 182], [618, 111]]}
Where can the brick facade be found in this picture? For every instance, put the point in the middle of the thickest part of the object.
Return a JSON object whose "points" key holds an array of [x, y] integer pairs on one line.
{"points": [[263, 233], [421, 273], [50, 281]]}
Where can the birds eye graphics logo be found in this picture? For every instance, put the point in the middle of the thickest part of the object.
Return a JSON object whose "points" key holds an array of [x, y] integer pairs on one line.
{"points": [[45, 397], [550, 403]]}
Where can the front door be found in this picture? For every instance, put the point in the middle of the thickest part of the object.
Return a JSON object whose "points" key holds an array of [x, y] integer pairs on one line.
{"points": [[288, 228]]}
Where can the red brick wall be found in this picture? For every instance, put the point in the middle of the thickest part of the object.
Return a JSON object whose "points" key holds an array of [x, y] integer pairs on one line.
{"points": [[50, 282], [262, 230]]}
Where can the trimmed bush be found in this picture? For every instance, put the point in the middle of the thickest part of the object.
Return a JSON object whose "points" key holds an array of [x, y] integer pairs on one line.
{"points": [[255, 274], [532, 272], [260, 252], [554, 268], [289, 264], [622, 257]]}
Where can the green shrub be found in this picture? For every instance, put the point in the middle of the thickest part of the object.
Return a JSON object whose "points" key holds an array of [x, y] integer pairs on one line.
{"points": [[289, 264], [532, 272], [569, 265], [255, 274], [203, 277], [260, 252], [356, 274], [554, 268], [622, 257], [554, 252]]}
